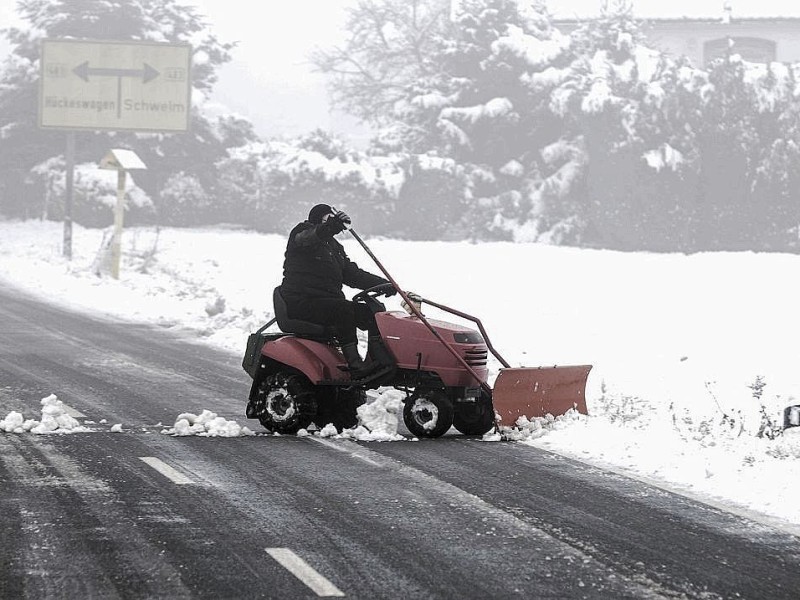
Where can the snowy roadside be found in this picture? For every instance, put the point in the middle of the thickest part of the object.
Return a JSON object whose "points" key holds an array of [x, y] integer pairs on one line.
{"points": [[677, 359]]}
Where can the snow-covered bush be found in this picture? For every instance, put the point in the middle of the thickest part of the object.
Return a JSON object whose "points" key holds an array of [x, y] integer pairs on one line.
{"points": [[278, 182], [631, 189], [678, 158], [185, 202]]}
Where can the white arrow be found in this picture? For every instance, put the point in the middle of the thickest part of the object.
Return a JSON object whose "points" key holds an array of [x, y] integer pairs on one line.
{"points": [[84, 71]]}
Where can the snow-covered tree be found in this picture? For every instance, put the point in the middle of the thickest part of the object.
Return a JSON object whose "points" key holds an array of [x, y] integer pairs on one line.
{"points": [[615, 102], [676, 157], [392, 45], [277, 182], [777, 179], [466, 82], [747, 142], [594, 138]]}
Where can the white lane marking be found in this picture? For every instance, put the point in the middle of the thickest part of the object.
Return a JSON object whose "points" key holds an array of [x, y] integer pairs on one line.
{"points": [[74, 413], [166, 470], [304, 572]]}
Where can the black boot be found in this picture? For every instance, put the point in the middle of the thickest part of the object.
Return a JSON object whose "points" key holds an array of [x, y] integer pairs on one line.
{"points": [[378, 351], [357, 367]]}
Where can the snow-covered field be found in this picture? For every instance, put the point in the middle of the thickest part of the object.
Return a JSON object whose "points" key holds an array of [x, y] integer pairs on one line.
{"points": [[693, 355]]}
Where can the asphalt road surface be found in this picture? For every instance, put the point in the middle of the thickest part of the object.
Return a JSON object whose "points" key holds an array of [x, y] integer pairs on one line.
{"points": [[140, 514]]}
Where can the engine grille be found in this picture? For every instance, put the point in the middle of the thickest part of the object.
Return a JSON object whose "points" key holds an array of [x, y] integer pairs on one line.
{"points": [[476, 357]]}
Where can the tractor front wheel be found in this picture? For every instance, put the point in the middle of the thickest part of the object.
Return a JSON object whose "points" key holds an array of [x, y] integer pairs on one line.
{"points": [[428, 413]]}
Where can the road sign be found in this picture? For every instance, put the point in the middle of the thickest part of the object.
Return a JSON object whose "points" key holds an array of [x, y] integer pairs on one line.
{"points": [[94, 84]]}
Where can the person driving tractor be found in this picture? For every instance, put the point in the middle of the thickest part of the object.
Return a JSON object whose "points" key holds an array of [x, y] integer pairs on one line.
{"points": [[315, 269]]}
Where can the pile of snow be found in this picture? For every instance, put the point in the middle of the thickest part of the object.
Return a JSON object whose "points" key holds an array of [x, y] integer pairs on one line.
{"points": [[55, 419], [530, 429], [378, 420], [206, 424]]}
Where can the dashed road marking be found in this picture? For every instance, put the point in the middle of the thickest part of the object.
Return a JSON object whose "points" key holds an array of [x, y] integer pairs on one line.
{"points": [[304, 572], [166, 470]]}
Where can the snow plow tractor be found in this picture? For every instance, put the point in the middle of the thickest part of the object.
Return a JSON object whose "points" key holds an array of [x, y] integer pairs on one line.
{"points": [[300, 376]]}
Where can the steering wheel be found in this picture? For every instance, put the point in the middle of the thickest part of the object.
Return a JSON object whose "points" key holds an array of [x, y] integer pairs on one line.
{"points": [[373, 292]]}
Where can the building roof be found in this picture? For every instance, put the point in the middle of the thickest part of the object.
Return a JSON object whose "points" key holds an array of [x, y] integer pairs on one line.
{"points": [[701, 10]]}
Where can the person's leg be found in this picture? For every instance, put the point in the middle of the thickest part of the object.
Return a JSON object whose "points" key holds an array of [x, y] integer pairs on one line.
{"points": [[337, 313], [365, 318], [376, 348], [344, 316]]}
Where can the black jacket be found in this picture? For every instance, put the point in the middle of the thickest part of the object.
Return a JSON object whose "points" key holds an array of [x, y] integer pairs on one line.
{"points": [[316, 266]]}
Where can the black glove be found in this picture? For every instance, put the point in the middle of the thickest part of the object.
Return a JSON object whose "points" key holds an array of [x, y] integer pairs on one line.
{"points": [[389, 291], [342, 218], [335, 223]]}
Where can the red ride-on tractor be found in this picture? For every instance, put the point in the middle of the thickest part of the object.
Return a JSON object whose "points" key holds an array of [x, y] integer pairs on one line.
{"points": [[300, 377], [299, 374]]}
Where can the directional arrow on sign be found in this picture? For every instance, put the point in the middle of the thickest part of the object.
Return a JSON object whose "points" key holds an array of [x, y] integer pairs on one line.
{"points": [[146, 73]]}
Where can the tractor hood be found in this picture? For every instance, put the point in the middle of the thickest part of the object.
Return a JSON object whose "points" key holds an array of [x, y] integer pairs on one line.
{"points": [[401, 324], [414, 346]]}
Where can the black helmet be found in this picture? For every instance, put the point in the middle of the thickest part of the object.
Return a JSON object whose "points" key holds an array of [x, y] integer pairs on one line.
{"points": [[316, 214]]}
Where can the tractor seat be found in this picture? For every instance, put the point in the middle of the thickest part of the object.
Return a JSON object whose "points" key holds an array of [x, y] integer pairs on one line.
{"points": [[296, 326]]}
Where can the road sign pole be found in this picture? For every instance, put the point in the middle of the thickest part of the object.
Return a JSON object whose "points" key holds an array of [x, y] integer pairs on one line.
{"points": [[119, 213], [120, 159], [69, 159]]}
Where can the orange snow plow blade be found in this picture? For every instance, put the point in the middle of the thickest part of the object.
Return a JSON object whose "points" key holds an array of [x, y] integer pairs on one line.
{"points": [[537, 391]]}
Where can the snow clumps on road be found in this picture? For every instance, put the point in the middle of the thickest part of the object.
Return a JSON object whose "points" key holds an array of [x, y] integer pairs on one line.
{"points": [[55, 419], [207, 424]]}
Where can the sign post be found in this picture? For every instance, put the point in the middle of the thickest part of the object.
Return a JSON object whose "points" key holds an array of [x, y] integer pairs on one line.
{"points": [[122, 161], [69, 160], [119, 215]]}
